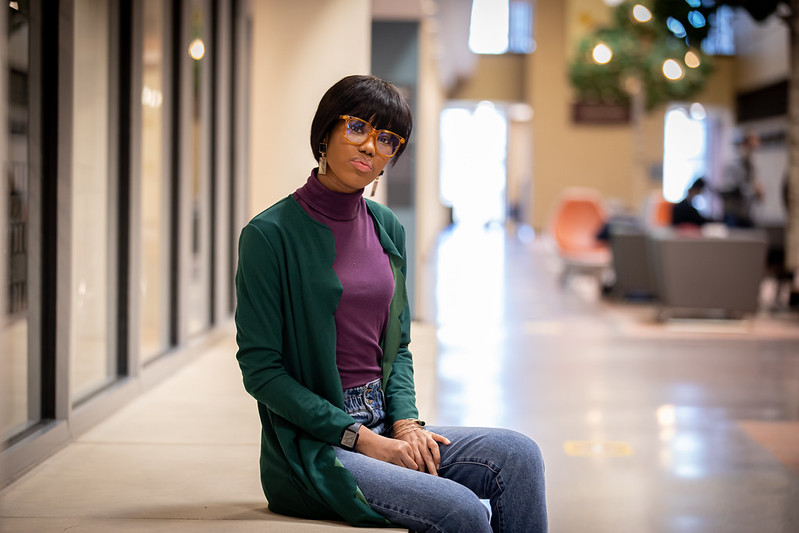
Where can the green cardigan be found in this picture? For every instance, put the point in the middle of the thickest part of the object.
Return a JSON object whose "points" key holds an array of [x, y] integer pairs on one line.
{"points": [[286, 334]]}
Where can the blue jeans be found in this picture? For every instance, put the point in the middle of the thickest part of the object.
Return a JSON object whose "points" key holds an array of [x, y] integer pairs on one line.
{"points": [[502, 466], [366, 404]]}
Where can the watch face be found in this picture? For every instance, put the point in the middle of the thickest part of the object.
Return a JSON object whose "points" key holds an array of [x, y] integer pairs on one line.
{"points": [[349, 438]]}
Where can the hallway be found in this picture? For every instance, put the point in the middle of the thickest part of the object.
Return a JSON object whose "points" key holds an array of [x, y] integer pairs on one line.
{"points": [[685, 426], [675, 427]]}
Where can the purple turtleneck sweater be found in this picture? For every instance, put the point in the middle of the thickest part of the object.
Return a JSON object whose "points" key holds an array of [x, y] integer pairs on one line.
{"points": [[363, 268]]}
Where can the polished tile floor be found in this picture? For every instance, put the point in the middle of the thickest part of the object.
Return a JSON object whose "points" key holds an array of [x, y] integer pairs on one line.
{"points": [[684, 426]]}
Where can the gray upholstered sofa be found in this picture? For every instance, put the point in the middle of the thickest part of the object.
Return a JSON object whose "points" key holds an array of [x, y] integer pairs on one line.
{"points": [[632, 265], [705, 275]]}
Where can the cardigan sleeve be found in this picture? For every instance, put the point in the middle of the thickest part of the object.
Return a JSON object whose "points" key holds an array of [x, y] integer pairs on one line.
{"points": [[400, 391], [259, 334]]}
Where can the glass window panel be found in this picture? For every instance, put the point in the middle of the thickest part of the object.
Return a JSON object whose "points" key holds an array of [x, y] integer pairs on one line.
{"points": [[155, 232], [520, 30], [721, 37], [92, 357], [15, 239], [198, 164]]}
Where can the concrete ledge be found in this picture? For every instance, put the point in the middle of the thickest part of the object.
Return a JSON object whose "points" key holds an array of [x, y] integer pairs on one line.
{"points": [[182, 456], [93, 525]]}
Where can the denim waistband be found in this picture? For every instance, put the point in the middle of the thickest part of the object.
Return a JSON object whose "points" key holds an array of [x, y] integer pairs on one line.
{"points": [[366, 404]]}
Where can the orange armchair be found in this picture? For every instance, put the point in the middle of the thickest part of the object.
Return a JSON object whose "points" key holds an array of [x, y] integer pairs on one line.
{"points": [[578, 217]]}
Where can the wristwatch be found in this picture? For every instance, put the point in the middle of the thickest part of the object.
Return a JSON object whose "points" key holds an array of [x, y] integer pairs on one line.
{"points": [[350, 436]]}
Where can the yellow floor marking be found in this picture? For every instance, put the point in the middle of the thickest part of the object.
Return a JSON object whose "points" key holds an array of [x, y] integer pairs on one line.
{"points": [[588, 448]]}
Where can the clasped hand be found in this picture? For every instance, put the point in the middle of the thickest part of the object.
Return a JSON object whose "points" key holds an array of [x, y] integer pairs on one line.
{"points": [[412, 447]]}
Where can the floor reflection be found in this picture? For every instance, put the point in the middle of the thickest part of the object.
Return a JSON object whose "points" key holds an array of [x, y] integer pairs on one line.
{"points": [[471, 321], [644, 426]]}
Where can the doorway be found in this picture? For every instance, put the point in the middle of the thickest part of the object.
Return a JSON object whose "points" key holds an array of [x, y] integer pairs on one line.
{"points": [[474, 148]]}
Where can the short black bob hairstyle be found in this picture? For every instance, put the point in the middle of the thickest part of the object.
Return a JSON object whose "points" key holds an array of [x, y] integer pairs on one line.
{"points": [[366, 97]]}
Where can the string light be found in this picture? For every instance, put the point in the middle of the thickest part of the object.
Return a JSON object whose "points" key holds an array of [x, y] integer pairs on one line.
{"points": [[641, 13], [672, 70], [691, 59], [696, 19], [602, 53]]}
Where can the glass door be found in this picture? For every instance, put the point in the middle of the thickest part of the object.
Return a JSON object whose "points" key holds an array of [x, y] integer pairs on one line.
{"points": [[196, 165], [19, 389], [156, 230], [92, 349]]}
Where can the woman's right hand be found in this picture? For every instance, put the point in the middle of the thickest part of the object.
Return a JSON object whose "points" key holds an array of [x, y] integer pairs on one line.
{"points": [[392, 451]]}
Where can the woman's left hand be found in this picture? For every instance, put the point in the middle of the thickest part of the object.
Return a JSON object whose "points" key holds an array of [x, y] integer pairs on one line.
{"points": [[424, 444]]}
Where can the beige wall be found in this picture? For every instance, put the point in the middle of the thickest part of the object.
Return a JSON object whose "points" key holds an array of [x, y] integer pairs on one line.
{"points": [[298, 52], [583, 17], [495, 77], [719, 90], [431, 216], [565, 155]]}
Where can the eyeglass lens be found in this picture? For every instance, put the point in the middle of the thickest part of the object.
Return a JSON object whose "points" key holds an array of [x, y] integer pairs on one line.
{"points": [[358, 130]]}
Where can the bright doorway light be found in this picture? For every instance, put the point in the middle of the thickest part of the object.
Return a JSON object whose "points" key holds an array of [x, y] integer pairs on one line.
{"points": [[488, 29], [684, 152], [474, 146]]}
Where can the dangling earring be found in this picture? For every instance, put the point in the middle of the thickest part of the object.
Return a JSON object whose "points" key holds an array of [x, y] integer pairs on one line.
{"points": [[374, 184], [322, 158]]}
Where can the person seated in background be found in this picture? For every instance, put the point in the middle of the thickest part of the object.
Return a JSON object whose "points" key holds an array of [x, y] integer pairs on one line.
{"points": [[684, 213]]}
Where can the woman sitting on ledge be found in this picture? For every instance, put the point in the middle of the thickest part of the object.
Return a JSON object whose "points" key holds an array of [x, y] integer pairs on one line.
{"points": [[323, 328]]}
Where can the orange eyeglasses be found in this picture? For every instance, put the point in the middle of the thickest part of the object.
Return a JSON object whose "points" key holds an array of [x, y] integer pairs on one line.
{"points": [[358, 130]]}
